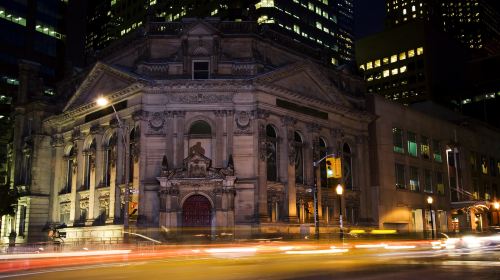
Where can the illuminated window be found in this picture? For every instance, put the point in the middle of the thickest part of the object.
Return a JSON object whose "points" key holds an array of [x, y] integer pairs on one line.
{"points": [[385, 60], [296, 29], [402, 69], [414, 182], [412, 144], [376, 63], [264, 3], [394, 58], [310, 6], [369, 65], [424, 147], [404, 11], [394, 71], [420, 51], [413, 8], [411, 53], [362, 67], [402, 56], [385, 73], [318, 25]]}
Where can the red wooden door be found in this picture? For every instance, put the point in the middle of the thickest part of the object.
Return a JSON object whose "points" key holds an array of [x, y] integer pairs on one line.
{"points": [[196, 212]]}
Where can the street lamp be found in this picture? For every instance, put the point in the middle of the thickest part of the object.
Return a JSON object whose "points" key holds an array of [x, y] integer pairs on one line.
{"points": [[429, 201], [102, 101], [496, 205], [339, 191]]}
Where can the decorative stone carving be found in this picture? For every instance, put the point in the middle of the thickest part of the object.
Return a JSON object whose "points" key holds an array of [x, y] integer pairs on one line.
{"points": [[242, 119], [156, 123], [243, 123], [57, 140], [197, 149], [76, 134], [261, 114], [201, 98], [96, 129], [262, 142], [313, 127], [139, 115], [220, 113], [288, 121]]}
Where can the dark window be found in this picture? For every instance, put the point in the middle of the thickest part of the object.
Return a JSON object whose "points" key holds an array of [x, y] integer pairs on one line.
{"points": [[201, 70], [400, 176], [397, 137], [347, 167], [200, 128], [271, 153], [299, 159]]}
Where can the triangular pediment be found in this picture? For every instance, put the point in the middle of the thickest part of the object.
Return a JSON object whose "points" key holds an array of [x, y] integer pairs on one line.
{"points": [[305, 81], [101, 80], [200, 28]]}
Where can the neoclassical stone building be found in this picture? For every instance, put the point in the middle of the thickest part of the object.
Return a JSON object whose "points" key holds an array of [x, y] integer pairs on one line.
{"points": [[219, 124]]}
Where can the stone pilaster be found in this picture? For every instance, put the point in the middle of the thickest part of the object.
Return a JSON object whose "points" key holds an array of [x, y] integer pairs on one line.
{"points": [[287, 149], [179, 140]]}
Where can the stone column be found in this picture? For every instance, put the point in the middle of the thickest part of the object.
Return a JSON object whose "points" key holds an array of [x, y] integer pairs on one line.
{"points": [[95, 177], [218, 148], [287, 163], [78, 167], [229, 132], [262, 172], [179, 141], [361, 172], [59, 178]]}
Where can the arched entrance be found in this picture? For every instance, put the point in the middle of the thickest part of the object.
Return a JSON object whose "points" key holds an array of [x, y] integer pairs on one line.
{"points": [[196, 212]]}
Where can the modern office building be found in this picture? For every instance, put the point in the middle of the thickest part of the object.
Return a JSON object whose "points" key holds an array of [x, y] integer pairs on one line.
{"points": [[412, 63], [475, 23], [323, 24], [32, 35]]}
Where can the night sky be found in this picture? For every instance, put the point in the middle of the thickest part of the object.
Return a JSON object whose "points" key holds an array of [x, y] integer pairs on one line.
{"points": [[368, 17]]}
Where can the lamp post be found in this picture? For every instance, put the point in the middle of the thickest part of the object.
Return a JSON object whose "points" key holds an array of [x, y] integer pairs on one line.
{"points": [[315, 197], [429, 201], [102, 102], [496, 205], [339, 191]]}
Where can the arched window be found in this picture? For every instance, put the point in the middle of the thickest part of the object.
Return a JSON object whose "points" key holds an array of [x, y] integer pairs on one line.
{"points": [[200, 138], [271, 153], [322, 166], [299, 158], [134, 142], [109, 157], [199, 128], [89, 161], [347, 166], [70, 161]]}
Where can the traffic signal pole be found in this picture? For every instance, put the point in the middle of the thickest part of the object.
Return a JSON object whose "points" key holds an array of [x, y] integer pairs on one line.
{"points": [[315, 192]]}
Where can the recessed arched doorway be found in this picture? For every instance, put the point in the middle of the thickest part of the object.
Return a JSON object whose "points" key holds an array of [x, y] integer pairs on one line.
{"points": [[196, 213]]}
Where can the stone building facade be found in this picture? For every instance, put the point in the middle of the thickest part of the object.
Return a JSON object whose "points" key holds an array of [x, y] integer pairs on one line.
{"points": [[218, 128]]}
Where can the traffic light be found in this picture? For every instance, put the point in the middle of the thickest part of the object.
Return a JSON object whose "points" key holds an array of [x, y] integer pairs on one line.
{"points": [[329, 167], [333, 167], [337, 168]]}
